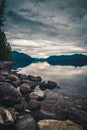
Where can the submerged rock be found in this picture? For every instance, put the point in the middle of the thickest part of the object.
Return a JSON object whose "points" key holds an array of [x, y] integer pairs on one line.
{"points": [[78, 116], [25, 122], [37, 92], [58, 125], [8, 94]]}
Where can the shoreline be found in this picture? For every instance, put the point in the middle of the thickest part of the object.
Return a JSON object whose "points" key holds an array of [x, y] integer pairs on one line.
{"points": [[28, 99]]}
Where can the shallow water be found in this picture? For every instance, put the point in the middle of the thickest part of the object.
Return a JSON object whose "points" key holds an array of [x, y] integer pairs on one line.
{"points": [[71, 80]]}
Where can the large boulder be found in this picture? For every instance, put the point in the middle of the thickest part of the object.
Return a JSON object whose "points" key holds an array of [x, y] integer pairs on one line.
{"points": [[25, 122], [58, 125], [8, 94]]}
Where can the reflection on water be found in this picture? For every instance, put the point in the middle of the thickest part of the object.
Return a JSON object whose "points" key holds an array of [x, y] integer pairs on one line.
{"points": [[71, 80]]}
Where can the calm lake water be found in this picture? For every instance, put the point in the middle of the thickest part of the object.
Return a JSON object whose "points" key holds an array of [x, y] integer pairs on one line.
{"points": [[72, 81]]}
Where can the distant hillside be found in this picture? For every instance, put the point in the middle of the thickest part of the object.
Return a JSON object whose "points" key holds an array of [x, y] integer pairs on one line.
{"points": [[21, 59], [74, 60]]}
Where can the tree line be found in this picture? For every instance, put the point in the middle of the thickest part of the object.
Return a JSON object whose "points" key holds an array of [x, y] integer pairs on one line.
{"points": [[5, 48]]}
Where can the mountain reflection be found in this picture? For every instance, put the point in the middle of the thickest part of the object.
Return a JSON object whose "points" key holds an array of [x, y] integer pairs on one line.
{"points": [[23, 60]]}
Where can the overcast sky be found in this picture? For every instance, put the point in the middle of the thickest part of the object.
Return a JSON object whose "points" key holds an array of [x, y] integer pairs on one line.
{"points": [[50, 26]]}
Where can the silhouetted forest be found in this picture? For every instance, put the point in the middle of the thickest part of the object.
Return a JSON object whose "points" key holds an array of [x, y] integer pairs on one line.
{"points": [[5, 48]]}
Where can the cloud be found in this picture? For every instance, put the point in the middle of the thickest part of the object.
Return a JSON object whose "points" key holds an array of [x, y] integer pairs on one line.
{"points": [[62, 22]]}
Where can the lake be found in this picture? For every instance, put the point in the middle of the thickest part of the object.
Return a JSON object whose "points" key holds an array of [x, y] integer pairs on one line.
{"points": [[71, 80]]}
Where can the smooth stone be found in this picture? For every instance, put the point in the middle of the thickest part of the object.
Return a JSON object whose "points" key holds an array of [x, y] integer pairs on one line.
{"points": [[19, 107], [2, 78], [37, 92], [23, 76], [6, 117], [9, 95], [12, 77], [45, 115], [4, 72], [51, 84], [78, 116], [43, 85], [15, 83], [58, 125], [25, 88], [34, 105], [25, 122], [35, 79], [31, 97]]}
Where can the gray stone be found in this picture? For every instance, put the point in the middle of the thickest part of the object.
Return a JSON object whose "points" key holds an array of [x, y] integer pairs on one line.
{"points": [[8, 94], [25, 122], [58, 125]]}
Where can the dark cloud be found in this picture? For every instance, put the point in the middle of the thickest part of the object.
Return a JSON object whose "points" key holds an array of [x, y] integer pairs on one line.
{"points": [[63, 20]]}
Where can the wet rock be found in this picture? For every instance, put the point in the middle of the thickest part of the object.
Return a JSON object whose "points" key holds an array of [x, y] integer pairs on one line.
{"points": [[12, 77], [37, 92], [25, 88], [58, 125], [35, 79], [23, 76], [2, 78], [78, 116], [45, 115], [6, 117], [25, 122], [43, 85], [8, 94], [51, 84], [34, 105]]}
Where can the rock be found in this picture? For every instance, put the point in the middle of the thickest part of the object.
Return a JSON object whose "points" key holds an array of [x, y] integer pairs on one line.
{"points": [[78, 116], [34, 105], [31, 97], [51, 84], [2, 78], [15, 83], [4, 72], [26, 81], [19, 107], [23, 76], [12, 77], [25, 88], [35, 79], [58, 125], [39, 79], [6, 117], [45, 115], [39, 93], [43, 85], [25, 122], [8, 94]]}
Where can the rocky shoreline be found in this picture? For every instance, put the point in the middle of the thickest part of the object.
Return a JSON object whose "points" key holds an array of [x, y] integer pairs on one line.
{"points": [[20, 104]]}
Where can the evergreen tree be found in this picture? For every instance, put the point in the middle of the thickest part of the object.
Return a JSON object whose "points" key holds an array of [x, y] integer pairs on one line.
{"points": [[5, 48]]}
